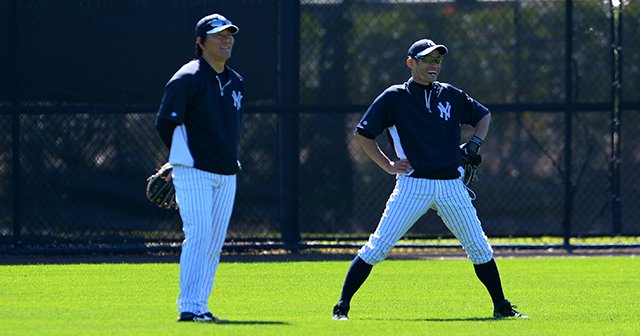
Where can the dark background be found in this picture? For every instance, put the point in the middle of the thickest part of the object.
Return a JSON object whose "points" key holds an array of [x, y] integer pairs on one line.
{"points": [[81, 82]]}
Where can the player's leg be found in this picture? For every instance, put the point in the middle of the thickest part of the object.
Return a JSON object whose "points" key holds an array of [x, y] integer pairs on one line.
{"points": [[410, 199], [457, 212], [223, 196], [193, 192], [460, 216], [356, 276]]}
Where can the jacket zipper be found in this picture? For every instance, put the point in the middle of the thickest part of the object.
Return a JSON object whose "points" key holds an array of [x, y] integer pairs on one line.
{"points": [[222, 86], [427, 99]]}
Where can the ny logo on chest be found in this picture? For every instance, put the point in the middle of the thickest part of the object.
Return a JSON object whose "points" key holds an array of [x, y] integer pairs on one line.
{"points": [[445, 110], [237, 99]]}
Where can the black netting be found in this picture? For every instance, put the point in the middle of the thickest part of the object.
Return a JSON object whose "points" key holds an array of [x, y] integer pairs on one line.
{"points": [[630, 191], [257, 213], [631, 52], [82, 176], [6, 180], [83, 81], [123, 52], [8, 26]]}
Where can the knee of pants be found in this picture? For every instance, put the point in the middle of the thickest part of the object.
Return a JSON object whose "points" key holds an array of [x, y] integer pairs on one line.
{"points": [[479, 253], [199, 239], [215, 254], [375, 250]]}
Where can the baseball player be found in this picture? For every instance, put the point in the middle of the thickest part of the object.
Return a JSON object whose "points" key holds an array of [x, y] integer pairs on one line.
{"points": [[200, 120], [423, 118]]}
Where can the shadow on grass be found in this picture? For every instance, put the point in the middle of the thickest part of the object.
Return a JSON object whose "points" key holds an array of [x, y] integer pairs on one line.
{"points": [[251, 323], [454, 319]]}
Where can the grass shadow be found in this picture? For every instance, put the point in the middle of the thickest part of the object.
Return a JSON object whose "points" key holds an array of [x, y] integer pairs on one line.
{"points": [[252, 323], [454, 319]]}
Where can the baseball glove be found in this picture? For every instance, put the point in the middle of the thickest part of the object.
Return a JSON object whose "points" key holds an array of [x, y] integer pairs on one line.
{"points": [[470, 164], [160, 189]]}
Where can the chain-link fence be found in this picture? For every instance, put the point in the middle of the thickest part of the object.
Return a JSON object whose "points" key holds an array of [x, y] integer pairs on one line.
{"points": [[84, 79]]}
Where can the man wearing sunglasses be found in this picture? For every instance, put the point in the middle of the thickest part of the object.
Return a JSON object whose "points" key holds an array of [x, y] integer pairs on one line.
{"points": [[423, 118], [200, 120]]}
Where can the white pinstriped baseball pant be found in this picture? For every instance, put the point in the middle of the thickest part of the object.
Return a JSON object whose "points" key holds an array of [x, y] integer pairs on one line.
{"points": [[411, 199], [206, 201]]}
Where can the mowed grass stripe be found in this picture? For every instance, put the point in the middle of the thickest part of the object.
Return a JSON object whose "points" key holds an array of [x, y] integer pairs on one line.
{"points": [[563, 296]]}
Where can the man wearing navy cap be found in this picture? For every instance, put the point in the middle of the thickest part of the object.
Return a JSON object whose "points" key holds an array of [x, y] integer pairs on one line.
{"points": [[423, 118], [200, 120]]}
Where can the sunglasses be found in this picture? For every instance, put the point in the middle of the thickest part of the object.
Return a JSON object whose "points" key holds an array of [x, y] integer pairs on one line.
{"points": [[431, 59]]}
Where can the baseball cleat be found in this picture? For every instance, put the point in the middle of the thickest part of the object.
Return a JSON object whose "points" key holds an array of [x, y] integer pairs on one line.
{"points": [[506, 309], [340, 313], [210, 318], [206, 318], [186, 317]]}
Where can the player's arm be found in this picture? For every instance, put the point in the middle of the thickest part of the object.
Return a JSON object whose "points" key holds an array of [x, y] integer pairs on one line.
{"points": [[373, 151], [165, 128], [173, 106], [474, 111], [482, 127]]}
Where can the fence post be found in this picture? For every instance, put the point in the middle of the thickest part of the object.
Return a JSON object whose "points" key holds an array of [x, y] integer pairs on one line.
{"points": [[288, 99], [15, 128], [568, 190], [616, 96]]}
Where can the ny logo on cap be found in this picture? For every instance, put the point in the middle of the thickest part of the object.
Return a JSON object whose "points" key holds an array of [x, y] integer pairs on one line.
{"points": [[215, 23]]}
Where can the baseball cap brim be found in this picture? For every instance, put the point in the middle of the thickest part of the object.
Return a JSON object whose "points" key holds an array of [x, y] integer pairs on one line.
{"points": [[232, 28], [213, 24], [442, 49]]}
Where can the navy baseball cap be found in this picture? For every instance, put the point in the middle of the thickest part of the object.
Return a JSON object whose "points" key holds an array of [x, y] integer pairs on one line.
{"points": [[424, 47], [214, 23]]}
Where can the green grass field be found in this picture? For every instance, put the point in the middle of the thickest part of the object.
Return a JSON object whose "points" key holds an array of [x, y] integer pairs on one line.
{"points": [[563, 296]]}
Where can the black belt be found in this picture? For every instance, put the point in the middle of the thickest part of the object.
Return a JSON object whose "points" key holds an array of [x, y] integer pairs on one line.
{"points": [[449, 173]]}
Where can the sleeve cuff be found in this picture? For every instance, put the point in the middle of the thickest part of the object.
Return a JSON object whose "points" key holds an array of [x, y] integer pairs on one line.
{"points": [[364, 133]]}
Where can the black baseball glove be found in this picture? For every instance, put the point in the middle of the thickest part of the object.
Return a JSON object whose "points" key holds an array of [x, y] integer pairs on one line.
{"points": [[160, 189], [471, 160], [470, 164]]}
